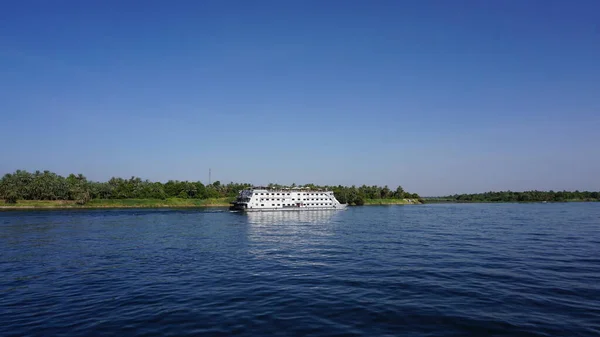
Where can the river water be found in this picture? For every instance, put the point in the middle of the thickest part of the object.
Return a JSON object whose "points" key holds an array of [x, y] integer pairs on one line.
{"points": [[415, 270]]}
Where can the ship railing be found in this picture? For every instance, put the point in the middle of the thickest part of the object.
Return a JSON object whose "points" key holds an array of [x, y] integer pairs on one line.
{"points": [[291, 189]]}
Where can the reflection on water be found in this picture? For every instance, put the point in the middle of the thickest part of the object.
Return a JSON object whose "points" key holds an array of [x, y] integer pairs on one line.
{"points": [[274, 218], [293, 239]]}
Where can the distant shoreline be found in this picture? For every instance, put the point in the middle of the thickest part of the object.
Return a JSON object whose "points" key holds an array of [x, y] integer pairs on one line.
{"points": [[427, 201], [155, 203], [220, 202], [118, 203], [223, 202]]}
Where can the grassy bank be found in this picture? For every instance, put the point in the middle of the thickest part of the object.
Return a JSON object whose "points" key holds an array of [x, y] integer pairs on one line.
{"points": [[391, 201], [157, 203], [119, 203]]}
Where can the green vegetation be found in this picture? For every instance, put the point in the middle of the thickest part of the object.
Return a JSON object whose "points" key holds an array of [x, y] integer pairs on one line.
{"points": [[527, 196], [23, 189], [47, 189], [170, 202], [369, 195], [122, 203], [407, 201]]}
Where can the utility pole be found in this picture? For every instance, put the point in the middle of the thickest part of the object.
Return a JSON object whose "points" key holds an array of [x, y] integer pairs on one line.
{"points": [[209, 176]]}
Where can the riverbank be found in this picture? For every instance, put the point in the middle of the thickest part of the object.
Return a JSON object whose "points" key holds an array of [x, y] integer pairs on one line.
{"points": [[157, 203], [119, 203], [392, 202]]}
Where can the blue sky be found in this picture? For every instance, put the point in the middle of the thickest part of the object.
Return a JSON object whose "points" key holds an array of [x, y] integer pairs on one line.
{"points": [[440, 97]]}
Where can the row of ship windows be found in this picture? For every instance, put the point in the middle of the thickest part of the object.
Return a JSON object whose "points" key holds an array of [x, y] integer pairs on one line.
{"points": [[293, 199], [289, 194], [273, 205]]}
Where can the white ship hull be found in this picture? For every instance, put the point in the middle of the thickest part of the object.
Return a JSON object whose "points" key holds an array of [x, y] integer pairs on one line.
{"points": [[261, 199], [293, 209]]}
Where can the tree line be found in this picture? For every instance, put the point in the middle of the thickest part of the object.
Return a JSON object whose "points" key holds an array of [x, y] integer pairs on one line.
{"points": [[526, 196], [46, 185], [357, 195]]}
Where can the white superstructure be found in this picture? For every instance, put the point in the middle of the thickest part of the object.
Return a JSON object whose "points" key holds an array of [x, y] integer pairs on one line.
{"points": [[257, 199]]}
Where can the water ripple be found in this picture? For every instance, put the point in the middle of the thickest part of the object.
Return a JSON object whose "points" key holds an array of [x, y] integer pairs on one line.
{"points": [[430, 270]]}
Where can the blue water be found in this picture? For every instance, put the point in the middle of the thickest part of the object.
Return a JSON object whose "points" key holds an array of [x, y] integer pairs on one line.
{"points": [[417, 270]]}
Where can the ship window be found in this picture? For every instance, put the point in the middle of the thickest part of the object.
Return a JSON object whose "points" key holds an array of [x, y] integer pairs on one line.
{"points": [[262, 204], [278, 204]]}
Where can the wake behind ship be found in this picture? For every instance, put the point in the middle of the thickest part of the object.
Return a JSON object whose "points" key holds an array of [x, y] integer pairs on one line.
{"points": [[262, 199]]}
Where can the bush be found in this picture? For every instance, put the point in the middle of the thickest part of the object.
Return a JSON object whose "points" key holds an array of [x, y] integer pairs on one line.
{"points": [[11, 198], [82, 198], [359, 201]]}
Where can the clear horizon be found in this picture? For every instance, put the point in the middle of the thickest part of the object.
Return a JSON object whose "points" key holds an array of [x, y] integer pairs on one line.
{"points": [[439, 97]]}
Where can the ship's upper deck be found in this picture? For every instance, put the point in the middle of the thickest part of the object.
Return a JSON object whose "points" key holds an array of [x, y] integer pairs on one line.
{"points": [[288, 189]]}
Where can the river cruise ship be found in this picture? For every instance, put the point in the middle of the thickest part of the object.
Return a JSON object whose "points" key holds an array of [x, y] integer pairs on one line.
{"points": [[261, 199]]}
